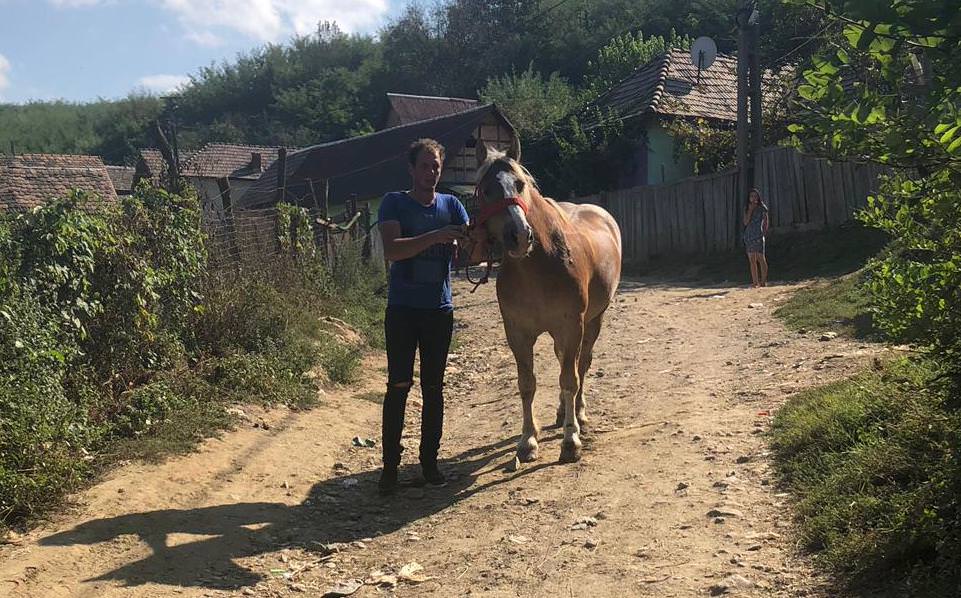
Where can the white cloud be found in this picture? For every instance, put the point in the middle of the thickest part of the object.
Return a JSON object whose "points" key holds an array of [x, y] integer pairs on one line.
{"points": [[270, 20], [163, 83], [205, 38], [4, 73]]}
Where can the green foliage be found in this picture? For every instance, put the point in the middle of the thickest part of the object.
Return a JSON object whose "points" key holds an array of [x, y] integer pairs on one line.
{"points": [[574, 159], [712, 147], [889, 92], [531, 102], [113, 329], [842, 305], [875, 463], [915, 282], [112, 129], [294, 233], [625, 54]]}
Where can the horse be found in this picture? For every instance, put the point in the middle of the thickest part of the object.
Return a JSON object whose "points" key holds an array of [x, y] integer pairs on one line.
{"points": [[560, 269]]}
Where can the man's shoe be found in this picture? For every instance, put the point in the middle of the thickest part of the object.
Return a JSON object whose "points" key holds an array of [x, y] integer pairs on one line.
{"points": [[433, 476], [388, 483]]}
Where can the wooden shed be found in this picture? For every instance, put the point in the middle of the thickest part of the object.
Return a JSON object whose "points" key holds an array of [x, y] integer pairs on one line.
{"points": [[369, 166]]}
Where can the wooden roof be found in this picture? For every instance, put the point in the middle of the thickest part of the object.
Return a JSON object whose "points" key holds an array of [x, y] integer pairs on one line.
{"points": [[30, 180], [413, 108], [369, 165]]}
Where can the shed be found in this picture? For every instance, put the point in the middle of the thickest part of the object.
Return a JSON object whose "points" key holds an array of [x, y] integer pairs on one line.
{"points": [[405, 109], [371, 165]]}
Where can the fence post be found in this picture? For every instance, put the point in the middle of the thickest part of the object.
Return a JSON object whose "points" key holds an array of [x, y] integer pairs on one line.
{"points": [[281, 174], [365, 222], [350, 210], [325, 216]]}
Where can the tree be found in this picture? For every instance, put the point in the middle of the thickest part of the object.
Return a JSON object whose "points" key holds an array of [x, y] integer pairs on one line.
{"points": [[889, 91], [531, 102], [625, 54]]}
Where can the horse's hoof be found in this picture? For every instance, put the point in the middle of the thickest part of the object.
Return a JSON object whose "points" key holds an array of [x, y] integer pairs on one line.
{"points": [[527, 456], [582, 423], [570, 453]]}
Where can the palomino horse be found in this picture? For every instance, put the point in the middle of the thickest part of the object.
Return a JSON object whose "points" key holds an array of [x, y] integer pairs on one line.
{"points": [[561, 267]]}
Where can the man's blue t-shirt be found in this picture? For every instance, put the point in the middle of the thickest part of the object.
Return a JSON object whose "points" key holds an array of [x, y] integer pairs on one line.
{"points": [[422, 281]]}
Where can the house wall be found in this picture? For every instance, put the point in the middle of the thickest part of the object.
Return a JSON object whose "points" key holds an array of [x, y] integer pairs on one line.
{"points": [[661, 166], [462, 168]]}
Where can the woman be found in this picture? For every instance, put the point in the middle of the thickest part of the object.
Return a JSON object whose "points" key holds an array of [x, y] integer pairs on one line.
{"points": [[755, 230]]}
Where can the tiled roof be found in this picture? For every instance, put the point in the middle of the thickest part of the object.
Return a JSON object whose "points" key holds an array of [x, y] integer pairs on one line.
{"points": [[669, 85], [411, 108], [154, 161], [29, 180], [218, 160], [122, 177]]}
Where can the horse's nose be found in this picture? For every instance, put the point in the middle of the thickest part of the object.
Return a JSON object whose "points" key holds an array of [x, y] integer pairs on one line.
{"points": [[511, 239]]}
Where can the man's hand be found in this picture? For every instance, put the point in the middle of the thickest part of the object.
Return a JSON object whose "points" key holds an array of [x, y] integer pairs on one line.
{"points": [[449, 234]]}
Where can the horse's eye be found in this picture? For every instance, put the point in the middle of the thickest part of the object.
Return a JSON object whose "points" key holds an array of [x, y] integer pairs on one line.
{"points": [[520, 186]]}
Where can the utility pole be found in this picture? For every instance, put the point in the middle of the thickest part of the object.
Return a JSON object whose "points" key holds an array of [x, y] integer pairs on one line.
{"points": [[749, 131], [757, 126], [743, 11]]}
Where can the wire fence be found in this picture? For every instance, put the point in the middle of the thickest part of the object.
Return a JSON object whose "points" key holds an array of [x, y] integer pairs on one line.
{"points": [[259, 240]]}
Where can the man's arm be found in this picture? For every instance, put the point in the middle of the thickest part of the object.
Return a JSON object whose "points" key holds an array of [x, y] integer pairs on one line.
{"points": [[398, 248]]}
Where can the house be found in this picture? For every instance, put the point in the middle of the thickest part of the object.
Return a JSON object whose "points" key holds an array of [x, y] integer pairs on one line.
{"points": [[215, 164], [30, 180], [368, 166], [405, 109], [212, 171], [122, 178], [665, 89]]}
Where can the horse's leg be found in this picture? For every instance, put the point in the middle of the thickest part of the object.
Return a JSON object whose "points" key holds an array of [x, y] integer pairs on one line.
{"points": [[568, 347], [522, 345], [591, 330]]}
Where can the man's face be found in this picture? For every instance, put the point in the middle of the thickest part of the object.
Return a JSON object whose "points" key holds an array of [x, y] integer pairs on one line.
{"points": [[426, 171]]}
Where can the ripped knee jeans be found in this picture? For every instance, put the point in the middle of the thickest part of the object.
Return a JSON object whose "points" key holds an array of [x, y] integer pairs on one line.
{"points": [[407, 331]]}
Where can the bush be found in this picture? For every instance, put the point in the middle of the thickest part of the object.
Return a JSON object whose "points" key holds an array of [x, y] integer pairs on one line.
{"points": [[915, 282], [875, 464], [116, 341]]}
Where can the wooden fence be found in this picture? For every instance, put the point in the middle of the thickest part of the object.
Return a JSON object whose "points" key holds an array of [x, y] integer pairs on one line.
{"points": [[702, 215]]}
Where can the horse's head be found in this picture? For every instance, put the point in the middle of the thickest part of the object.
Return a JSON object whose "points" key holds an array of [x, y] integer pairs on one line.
{"points": [[504, 190]]}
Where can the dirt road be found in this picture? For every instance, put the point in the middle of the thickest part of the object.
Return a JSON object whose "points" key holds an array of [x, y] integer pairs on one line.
{"points": [[673, 497]]}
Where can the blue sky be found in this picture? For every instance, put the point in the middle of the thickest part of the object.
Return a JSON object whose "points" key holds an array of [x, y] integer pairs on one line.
{"points": [[82, 50]]}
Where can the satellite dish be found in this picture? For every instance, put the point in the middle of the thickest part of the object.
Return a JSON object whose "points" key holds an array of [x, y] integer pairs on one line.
{"points": [[703, 54]]}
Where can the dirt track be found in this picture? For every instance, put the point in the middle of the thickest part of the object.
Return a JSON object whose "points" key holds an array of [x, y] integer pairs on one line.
{"points": [[674, 477]]}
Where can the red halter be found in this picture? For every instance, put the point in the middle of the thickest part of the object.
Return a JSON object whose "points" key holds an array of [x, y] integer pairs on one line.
{"points": [[479, 243], [492, 209]]}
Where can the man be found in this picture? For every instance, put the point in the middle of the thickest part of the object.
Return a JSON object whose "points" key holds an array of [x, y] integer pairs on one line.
{"points": [[418, 228]]}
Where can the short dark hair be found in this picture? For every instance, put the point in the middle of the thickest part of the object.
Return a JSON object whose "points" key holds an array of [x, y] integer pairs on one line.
{"points": [[420, 145]]}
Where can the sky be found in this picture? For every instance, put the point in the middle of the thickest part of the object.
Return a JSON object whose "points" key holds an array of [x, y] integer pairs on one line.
{"points": [[84, 50]]}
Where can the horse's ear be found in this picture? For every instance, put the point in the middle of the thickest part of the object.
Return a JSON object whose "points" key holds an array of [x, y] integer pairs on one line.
{"points": [[514, 153], [481, 151]]}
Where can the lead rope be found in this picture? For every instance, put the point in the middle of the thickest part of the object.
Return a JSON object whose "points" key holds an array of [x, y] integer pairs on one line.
{"points": [[487, 273]]}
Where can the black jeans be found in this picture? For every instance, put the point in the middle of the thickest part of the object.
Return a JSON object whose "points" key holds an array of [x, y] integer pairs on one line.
{"points": [[407, 330]]}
